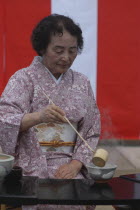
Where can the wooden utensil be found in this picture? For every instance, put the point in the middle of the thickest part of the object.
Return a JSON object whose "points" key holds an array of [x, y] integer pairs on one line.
{"points": [[101, 155]]}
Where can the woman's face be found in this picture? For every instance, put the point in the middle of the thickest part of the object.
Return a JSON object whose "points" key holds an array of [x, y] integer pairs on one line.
{"points": [[60, 53]]}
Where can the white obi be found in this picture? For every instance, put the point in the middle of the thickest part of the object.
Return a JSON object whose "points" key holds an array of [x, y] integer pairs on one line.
{"points": [[53, 132]]}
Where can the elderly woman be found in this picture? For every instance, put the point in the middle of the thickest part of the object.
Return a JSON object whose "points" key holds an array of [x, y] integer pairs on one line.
{"points": [[38, 99]]}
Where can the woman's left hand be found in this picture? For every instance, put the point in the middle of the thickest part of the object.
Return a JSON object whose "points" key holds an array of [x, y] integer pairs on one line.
{"points": [[69, 171]]}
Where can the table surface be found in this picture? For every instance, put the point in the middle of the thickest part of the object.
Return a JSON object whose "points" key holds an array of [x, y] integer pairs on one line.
{"points": [[32, 191]]}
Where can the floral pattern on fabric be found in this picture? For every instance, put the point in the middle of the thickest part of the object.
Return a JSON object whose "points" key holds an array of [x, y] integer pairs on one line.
{"points": [[24, 94]]}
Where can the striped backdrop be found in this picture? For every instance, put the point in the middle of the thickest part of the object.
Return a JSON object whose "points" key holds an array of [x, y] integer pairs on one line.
{"points": [[110, 57]]}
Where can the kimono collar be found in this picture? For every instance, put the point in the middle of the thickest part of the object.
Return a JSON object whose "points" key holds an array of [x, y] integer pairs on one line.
{"points": [[56, 80]]}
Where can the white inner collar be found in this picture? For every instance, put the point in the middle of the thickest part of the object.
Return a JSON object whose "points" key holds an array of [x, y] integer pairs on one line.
{"points": [[57, 81]]}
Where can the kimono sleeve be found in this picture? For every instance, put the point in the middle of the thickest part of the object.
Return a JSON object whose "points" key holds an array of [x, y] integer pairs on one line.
{"points": [[89, 128], [14, 104]]}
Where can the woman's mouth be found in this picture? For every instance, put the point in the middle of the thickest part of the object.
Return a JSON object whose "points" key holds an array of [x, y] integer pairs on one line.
{"points": [[63, 65]]}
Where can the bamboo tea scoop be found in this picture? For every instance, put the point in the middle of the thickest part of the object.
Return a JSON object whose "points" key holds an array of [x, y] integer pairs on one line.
{"points": [[101, 155]]}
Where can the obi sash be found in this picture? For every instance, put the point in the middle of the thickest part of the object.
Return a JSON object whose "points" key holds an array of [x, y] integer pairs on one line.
{"points": [[56, 137]]}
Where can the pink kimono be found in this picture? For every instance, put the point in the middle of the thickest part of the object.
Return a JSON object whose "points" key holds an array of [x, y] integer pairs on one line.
{"points": [[24, 94]]}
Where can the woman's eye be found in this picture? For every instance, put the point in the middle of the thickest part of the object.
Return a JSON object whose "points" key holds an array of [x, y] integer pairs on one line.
{"points": [[59, 52], [73, 51]]}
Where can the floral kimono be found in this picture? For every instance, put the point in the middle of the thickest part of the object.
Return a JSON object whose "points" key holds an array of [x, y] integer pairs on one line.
{"points": [[29, 90]]}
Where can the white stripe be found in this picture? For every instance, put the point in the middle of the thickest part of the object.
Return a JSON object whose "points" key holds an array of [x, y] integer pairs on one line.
{"points": [[83, 12]]}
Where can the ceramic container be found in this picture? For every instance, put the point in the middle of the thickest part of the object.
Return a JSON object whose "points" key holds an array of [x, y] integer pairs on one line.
{"points": [[6, 165], [101, 174]]}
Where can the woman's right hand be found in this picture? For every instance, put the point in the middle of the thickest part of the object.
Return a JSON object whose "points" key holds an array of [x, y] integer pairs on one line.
{"points": [[52, 113]]}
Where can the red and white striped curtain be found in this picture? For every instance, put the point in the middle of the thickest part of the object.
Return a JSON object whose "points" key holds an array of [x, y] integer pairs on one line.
{"points": [[110, 57]]}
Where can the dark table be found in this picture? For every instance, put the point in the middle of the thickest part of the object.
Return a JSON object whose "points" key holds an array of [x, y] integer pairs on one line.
{"points": [[32, 191]]}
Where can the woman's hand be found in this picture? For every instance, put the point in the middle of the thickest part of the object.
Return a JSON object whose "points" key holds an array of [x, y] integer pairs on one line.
{"points": [[52, 113], [69, 171]]}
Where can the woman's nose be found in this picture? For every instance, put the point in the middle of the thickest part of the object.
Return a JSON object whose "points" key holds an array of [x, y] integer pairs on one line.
{"points": [[65, 57]]}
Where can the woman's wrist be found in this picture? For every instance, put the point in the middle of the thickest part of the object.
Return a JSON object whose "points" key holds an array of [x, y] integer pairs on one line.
{"points": [[29, 120], [77, 164]]}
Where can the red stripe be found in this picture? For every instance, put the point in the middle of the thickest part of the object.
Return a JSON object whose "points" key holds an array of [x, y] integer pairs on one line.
{"points": [[118, 79], [20, 18], [1, 44]]}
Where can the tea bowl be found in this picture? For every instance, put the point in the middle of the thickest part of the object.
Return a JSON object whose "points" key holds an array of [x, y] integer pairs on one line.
{"points": [[101, 174], [6, 165]]}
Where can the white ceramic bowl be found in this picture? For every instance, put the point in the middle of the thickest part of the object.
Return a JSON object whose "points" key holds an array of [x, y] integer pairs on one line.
{"points": [[6, 165], [101, 174]]}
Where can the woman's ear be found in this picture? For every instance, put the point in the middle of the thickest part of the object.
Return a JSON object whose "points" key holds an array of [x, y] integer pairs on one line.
{"points": [[42, 52]]}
